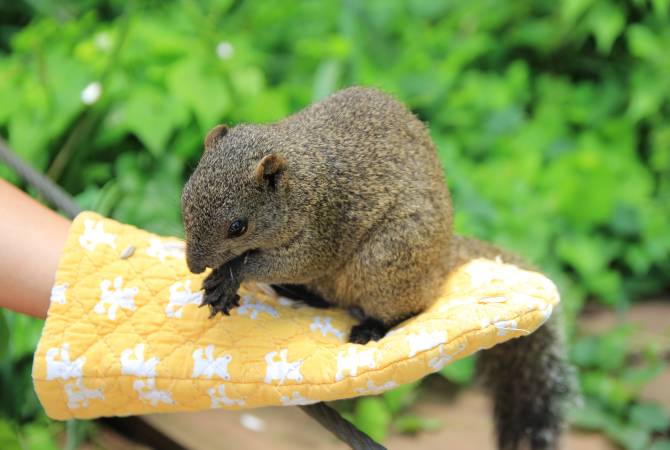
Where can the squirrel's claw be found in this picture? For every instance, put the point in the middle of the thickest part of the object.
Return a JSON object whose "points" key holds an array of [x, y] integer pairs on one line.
{"points": [[220, 293], [219, 301], [211, 282]]}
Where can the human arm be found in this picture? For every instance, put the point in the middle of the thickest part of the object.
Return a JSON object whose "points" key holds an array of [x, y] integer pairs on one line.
{"points": [[31, 240]]}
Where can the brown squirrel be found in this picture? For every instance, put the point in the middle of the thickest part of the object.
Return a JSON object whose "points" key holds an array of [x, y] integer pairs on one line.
{"points": [[346, 201]]}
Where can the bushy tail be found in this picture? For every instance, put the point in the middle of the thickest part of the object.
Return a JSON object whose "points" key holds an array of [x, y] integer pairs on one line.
{"points": [[529, 378]]}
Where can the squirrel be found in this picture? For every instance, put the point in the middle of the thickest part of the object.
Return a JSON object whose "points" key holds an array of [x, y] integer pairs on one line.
{"points": [[345, 202]]}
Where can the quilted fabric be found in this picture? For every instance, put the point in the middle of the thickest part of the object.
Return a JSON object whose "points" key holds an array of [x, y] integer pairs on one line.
{"points": [[124, 334]]}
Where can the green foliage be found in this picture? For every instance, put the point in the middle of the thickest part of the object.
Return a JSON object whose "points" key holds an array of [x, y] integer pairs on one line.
{"points": [[611, 384], [18, 400], [400, 398], [38, 434], [551, 120], [376, 415], [461, 371], [372, 417], [663, 444], [412, 424]]}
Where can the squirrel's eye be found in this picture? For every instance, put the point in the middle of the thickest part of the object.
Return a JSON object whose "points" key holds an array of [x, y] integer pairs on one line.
{"points": [[237, 228]]}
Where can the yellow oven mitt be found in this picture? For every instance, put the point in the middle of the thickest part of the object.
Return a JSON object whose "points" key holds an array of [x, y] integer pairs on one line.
{"points": [[124, 334]]}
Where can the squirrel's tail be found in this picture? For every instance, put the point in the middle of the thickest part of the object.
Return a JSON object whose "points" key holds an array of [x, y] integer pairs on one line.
{"points": [[530, 382], [529, 378]]}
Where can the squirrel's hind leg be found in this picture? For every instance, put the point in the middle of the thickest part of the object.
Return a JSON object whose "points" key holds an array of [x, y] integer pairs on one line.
{"points": [[371, 329], [300, 293]]}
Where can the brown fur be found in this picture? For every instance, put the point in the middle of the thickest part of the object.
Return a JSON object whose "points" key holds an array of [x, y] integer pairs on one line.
{"points": [[360, 196], [347, 197]]}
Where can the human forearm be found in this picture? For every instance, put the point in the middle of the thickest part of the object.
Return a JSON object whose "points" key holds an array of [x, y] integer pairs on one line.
{"points": [[31, 239]]}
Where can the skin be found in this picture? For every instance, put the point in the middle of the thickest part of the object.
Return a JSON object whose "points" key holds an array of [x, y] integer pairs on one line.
{"points": [[32, 238]]}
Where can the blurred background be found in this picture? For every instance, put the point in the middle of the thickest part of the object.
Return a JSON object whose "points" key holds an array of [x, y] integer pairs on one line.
{"points": [[551, 119]]}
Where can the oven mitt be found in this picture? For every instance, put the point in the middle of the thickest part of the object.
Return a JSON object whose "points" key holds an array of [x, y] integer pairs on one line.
{"points": [[124, 334]]}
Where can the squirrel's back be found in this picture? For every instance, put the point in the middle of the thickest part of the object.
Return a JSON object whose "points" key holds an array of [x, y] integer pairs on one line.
{"points": [[370, 160]]}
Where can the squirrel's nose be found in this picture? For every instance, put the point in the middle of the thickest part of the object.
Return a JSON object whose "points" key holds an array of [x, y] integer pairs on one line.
{"points": [[193, 262], [194, 268]]}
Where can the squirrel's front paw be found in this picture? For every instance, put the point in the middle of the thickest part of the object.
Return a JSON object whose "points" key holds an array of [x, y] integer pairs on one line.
{"points": [[221, 291]]}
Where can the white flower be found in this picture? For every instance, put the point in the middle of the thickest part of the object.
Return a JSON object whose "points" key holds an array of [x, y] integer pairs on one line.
{"points": [[103, 41], [91, 93], [225, 50]]}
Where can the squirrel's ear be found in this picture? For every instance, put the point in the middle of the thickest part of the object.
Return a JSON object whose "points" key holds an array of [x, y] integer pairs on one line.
{"points": [[214, 134], [267, 170]]}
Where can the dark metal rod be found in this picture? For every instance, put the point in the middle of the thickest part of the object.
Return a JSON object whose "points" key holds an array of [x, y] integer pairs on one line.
{"points": [[53, 193], [340, 427]]}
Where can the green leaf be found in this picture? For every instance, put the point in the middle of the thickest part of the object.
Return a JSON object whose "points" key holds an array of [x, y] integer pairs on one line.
{"points": [[571, 10], [646, 84], [39, 436], [663, 444], [591, 416], [630, 438], [201, 89], [25, 142], [649, 417], [644, 43], [584, 352], [607, 22], [607, 389], [412, 424], [372, 417], [461, 371], [8, 438], [326, 79], [153, 117], [4, 335], [661, 8], [401, 397], [638, 377]]}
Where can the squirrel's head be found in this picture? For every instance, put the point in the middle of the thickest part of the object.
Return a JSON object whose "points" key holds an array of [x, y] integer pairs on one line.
{"points": [[233, 201]]}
